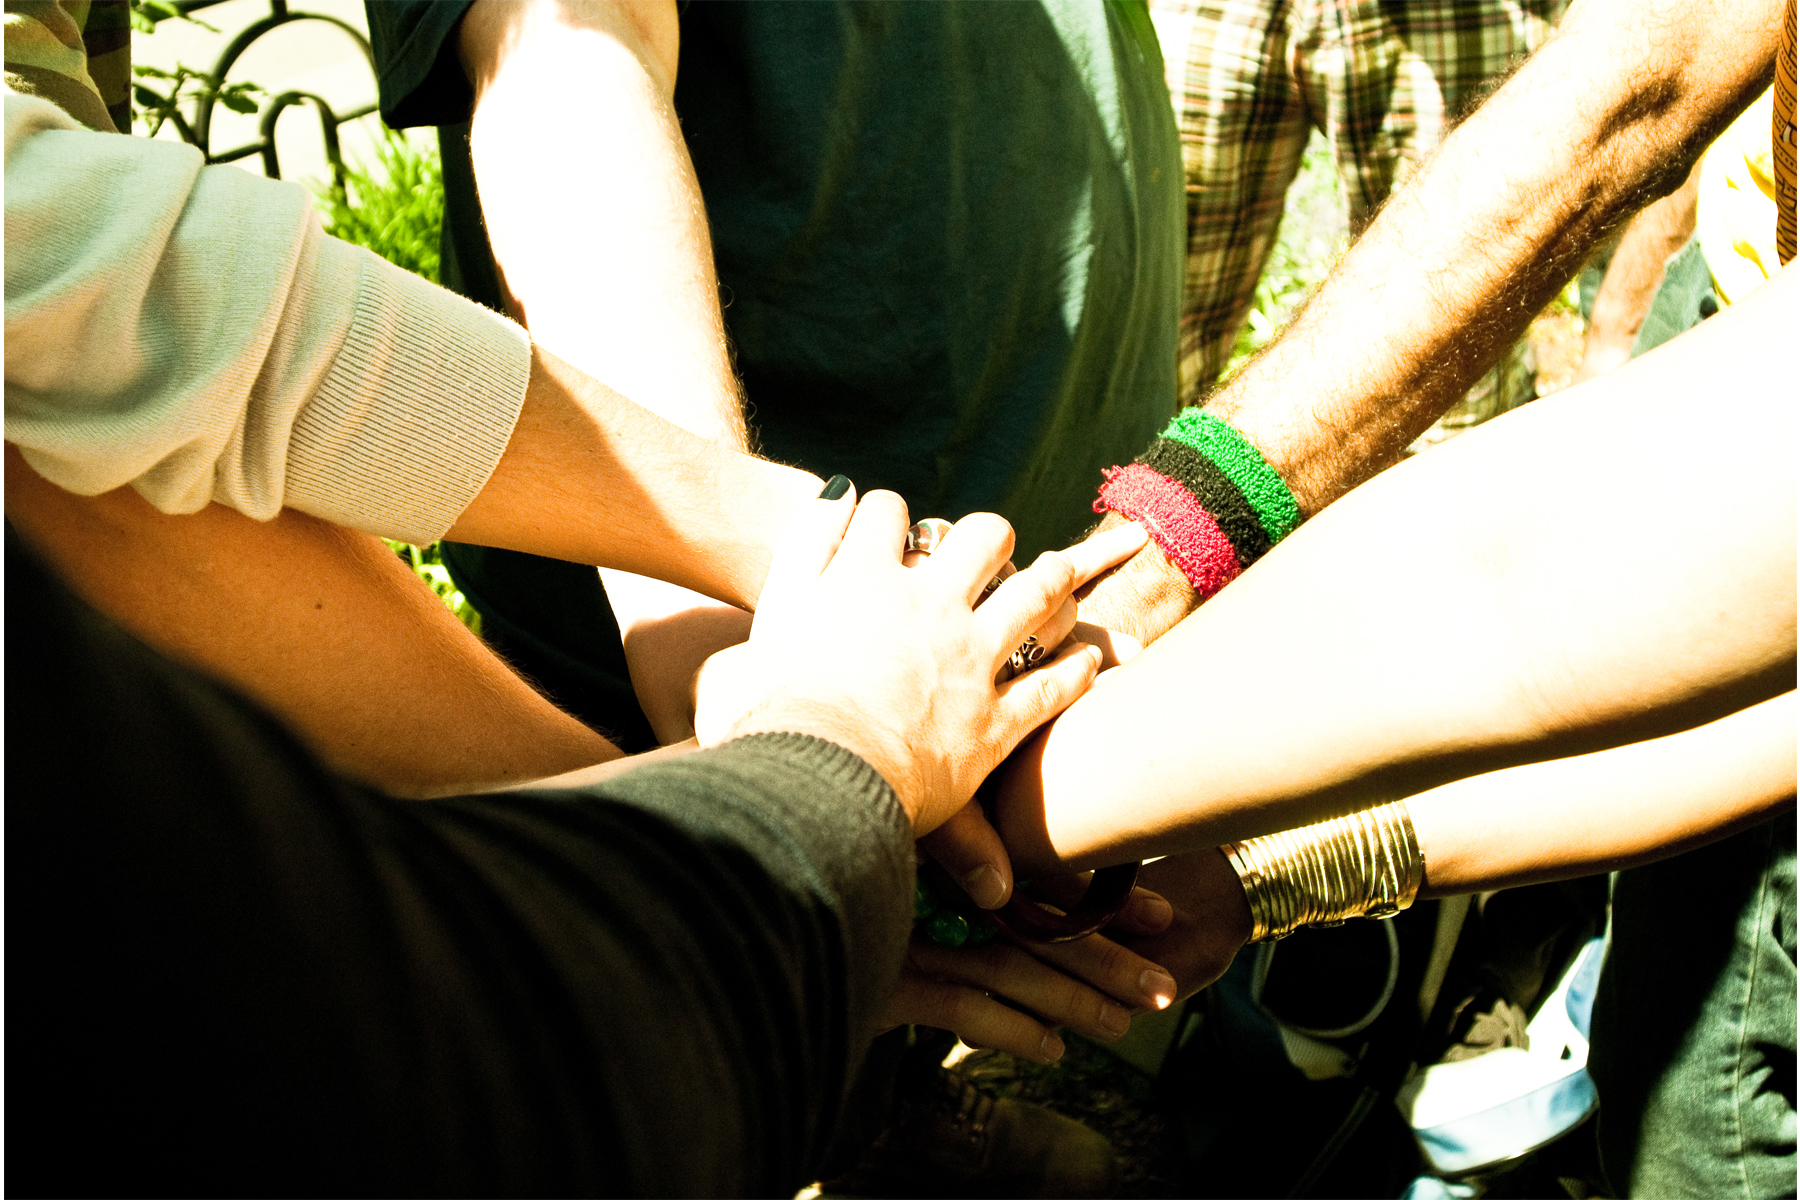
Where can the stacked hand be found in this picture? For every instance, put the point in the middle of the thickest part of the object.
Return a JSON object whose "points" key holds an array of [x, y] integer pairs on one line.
{"points": [[889, 656], [1013, 997], [897, 663]]}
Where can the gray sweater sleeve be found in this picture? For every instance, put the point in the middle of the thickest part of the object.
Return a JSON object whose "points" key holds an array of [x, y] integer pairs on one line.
{"points": [[191, 331], [821, 818]]}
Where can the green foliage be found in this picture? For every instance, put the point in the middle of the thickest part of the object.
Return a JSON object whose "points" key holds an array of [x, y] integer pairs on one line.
{"points": [[395, 207], [1314, 235], [428, 564], [155, 109], [146, 13]]}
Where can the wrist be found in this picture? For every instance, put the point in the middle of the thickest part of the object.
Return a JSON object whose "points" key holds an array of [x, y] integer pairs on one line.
{"points": [[1366, 864], [882, 749], [1236, 918], [1142, 598], [1209, 500]]}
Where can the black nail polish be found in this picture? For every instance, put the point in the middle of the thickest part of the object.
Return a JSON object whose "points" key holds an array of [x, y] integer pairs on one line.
{"points": [[835, 487]]}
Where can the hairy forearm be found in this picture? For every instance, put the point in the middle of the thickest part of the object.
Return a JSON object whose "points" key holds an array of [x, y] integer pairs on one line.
{"points": [[1589, 600], [1610, 114], [590, 201], [600, 234], [324, 626]]}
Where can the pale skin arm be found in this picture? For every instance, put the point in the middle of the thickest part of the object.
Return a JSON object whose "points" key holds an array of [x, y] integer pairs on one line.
{"points": [[1620, 556], [1611, 113], [591, 477], [1611, 809], [1633, 275], [599, 231], [1555, 820]]}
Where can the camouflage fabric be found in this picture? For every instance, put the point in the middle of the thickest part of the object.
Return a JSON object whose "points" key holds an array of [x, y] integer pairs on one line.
{"points": [[75, 54]]}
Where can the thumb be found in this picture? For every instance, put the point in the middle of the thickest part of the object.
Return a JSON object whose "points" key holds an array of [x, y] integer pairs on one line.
{"points": [[969, 849]]}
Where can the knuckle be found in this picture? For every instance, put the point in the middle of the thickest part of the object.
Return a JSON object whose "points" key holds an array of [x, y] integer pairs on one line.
{"points": [[1058, 568]]}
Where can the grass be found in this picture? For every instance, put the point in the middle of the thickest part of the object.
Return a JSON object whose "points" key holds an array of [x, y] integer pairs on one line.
{"points": [[394, 206]]}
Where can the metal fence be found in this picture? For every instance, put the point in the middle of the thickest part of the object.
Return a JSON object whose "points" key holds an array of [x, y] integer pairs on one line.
{"points": [[196, 128]]}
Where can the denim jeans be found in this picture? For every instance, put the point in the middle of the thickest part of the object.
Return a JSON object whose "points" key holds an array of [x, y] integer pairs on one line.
{"points": [[1693, 1037]]}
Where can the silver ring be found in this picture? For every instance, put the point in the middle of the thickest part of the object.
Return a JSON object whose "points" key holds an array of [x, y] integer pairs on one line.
{"points": [[1030, 654], [926, 535]]}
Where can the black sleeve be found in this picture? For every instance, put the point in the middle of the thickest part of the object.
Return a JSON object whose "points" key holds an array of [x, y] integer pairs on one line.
{"points": [[232, 972], [418, 73]]}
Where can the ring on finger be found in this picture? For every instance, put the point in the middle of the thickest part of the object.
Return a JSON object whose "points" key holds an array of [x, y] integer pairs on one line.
{"points": [[1030, 654], [927, 535]]}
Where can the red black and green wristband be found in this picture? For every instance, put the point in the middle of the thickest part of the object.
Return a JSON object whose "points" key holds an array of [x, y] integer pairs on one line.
{"points": [[1207, 497]]}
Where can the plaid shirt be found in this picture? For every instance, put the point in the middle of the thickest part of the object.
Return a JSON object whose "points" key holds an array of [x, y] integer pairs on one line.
{"points": [[1251, 78]]}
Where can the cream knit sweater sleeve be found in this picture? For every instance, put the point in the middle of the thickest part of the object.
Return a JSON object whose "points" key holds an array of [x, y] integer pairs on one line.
{"points": [[191, 331]]}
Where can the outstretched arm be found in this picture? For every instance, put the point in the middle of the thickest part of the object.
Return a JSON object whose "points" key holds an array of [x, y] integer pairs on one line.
{"points": [[191, 332], [597, 225], [1619, 557], [1612, 112]]}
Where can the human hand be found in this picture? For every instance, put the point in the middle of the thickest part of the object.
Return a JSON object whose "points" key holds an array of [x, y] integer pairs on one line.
{"points": [[971, 853], [1014, 999], [1210, 919], [895, 663], [1125, 610], [669, 632]]}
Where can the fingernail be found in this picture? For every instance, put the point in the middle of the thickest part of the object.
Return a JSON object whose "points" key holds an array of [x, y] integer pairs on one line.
{"points": [[1156, 910], [985, 887], [1115, 1020], [1158, 987], [835, 487], [1051, 1048]]}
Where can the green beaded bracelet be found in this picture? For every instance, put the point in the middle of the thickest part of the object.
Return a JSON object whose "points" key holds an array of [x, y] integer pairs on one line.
{"points": [[949, 920]]}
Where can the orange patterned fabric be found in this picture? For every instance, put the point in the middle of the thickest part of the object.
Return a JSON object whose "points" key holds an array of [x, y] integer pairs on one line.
{"points": [[1782, 137]]}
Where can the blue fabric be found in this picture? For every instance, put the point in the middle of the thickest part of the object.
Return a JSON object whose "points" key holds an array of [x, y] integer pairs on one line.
{"points": [[1694, 1027], [1508, 1130]]}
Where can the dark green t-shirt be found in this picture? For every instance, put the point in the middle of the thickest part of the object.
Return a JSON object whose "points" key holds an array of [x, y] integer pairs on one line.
{"points": [[950, 235]]}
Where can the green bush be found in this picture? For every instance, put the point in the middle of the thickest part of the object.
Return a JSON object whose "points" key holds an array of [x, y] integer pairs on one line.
{"points": [[395, 207]]}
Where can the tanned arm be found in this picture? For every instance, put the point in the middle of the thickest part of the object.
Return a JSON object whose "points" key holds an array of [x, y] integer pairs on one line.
{"points": [[324, 626], [1610, 114]]}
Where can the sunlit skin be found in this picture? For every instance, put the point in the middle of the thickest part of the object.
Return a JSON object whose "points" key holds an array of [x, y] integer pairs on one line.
{"points": [[597, 225], [1609, 115], [1632, 647]]}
